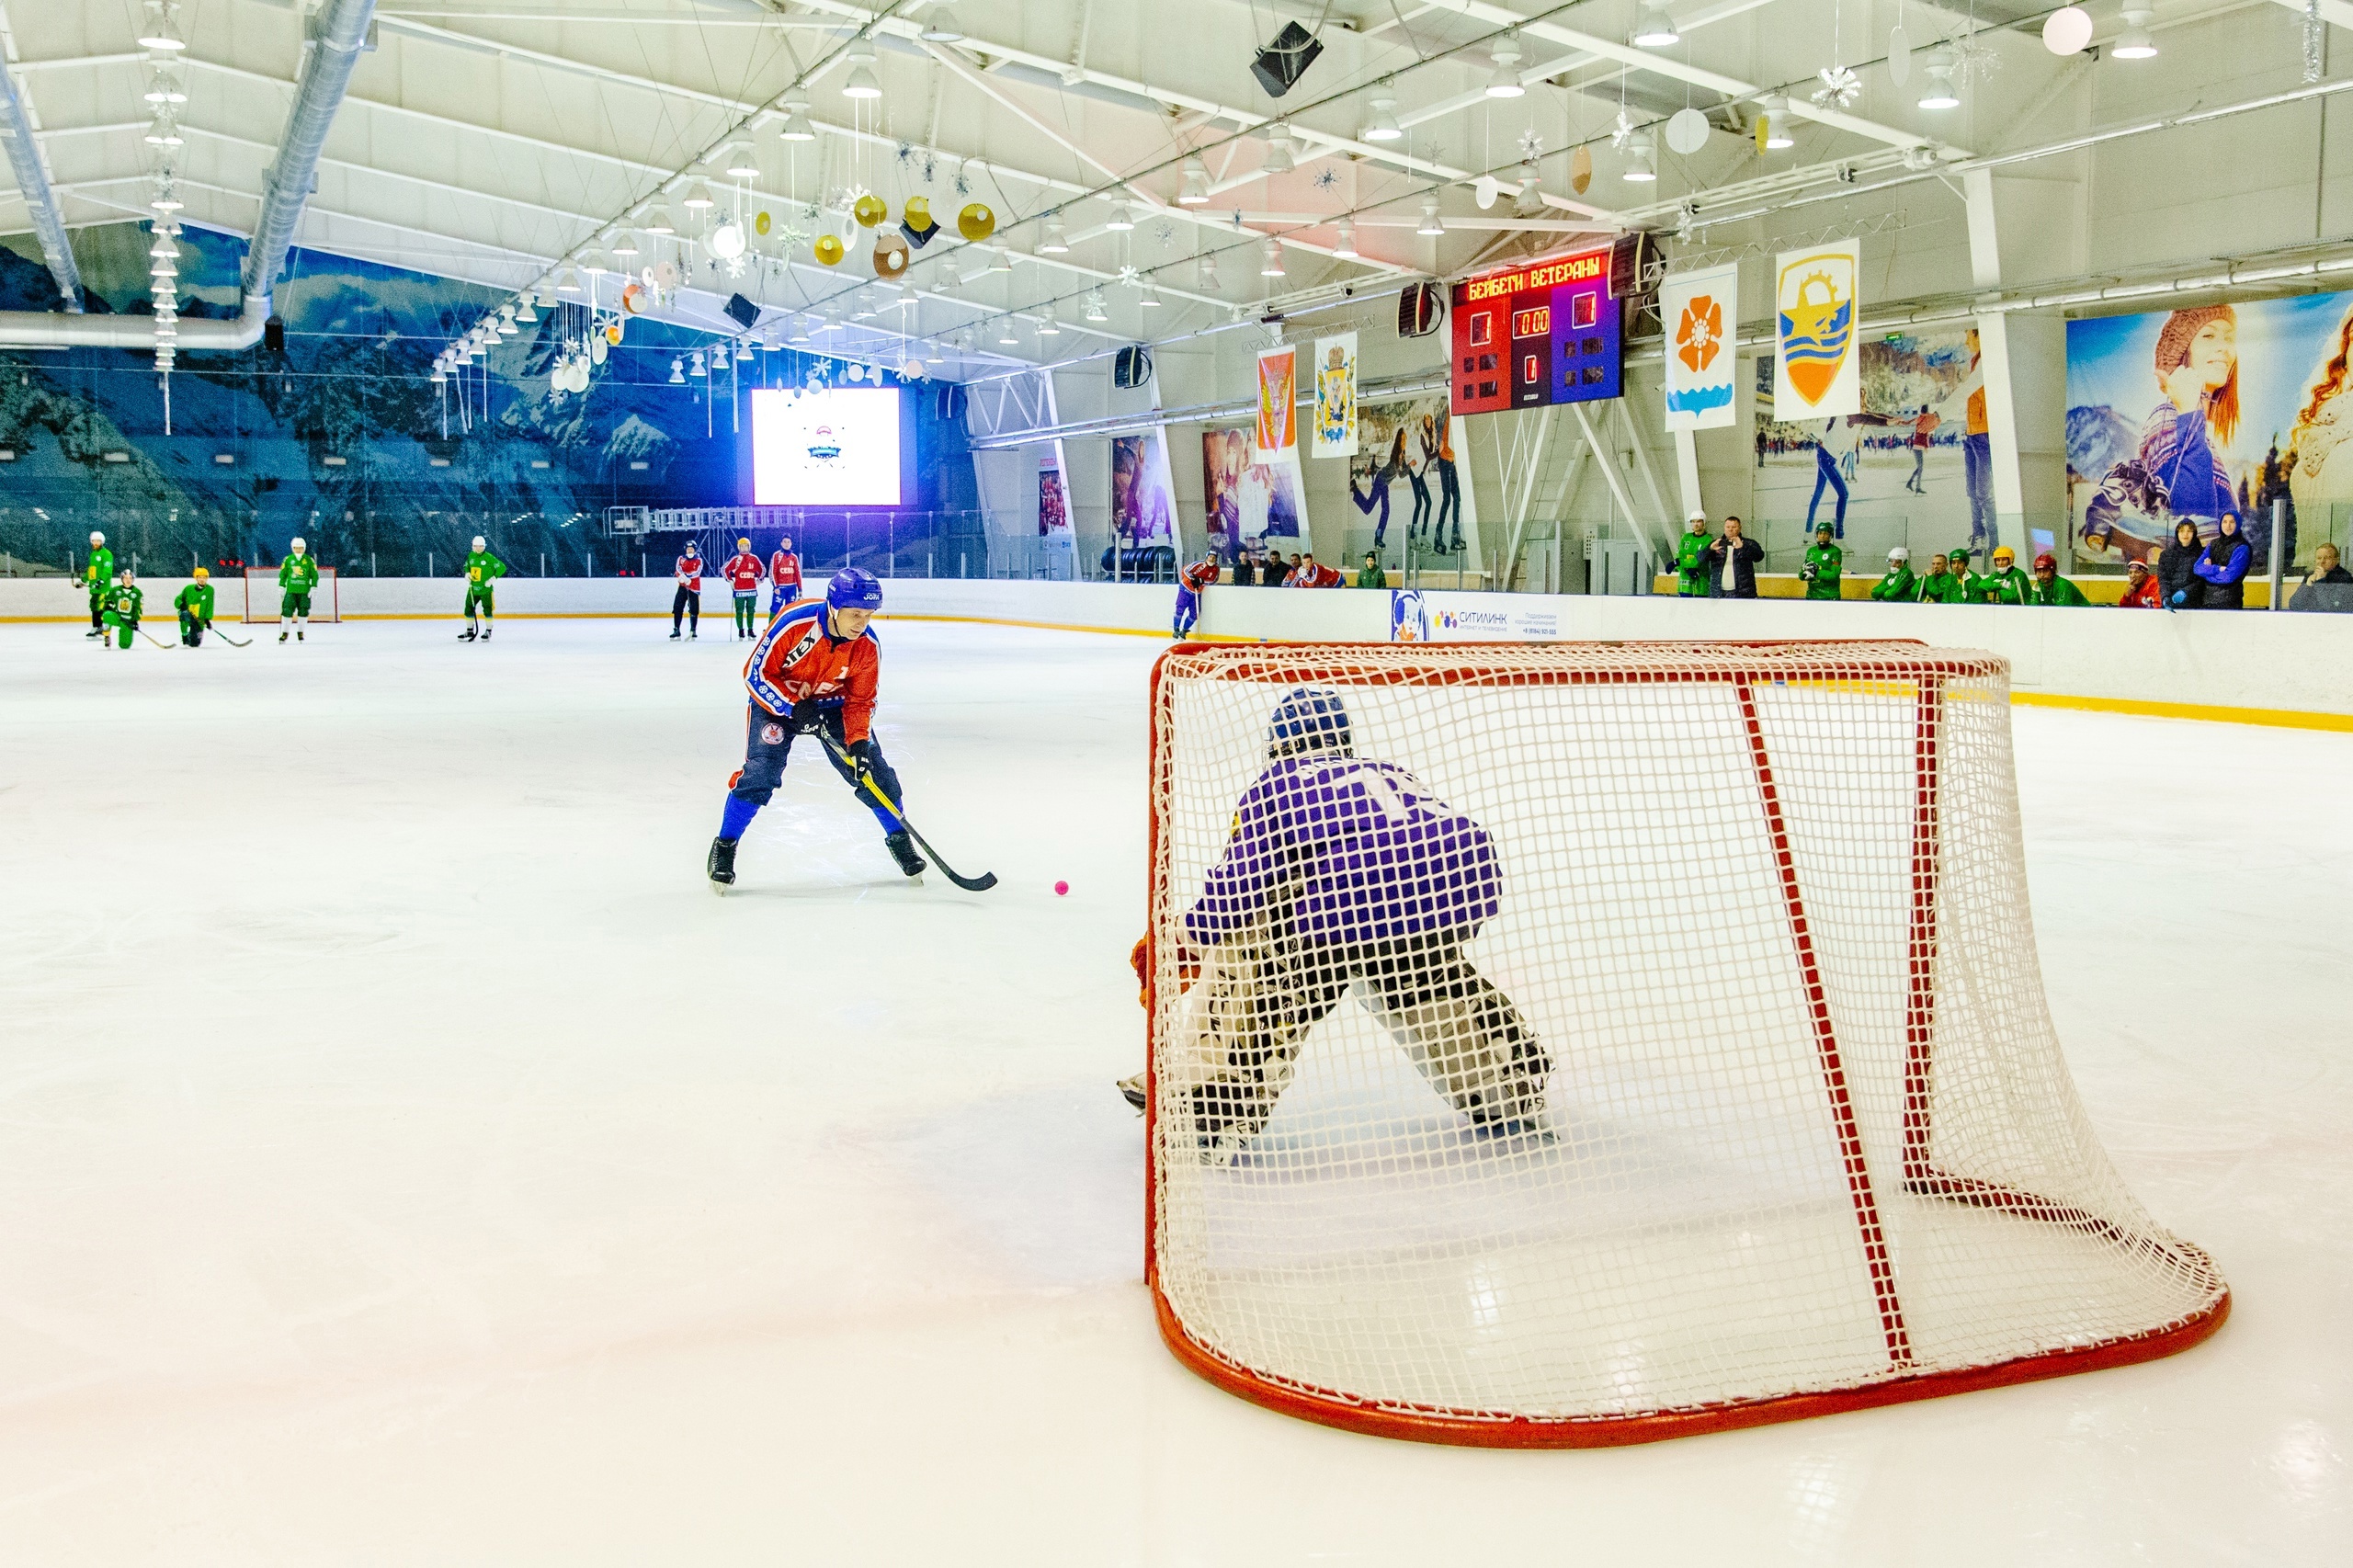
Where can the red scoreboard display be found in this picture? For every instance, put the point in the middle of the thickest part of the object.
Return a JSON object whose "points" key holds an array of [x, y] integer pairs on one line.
{"points": [[1546, 332]]}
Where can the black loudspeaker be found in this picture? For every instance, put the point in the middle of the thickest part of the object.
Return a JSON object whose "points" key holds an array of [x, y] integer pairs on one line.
{"points": [[1131, 367], [273, 336], [742, 311], [1419, 309], [1281, 64]]}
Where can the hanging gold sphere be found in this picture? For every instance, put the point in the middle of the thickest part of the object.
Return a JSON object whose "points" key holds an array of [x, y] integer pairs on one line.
{"points": [[891, 255], [869, 210], [976, 223], [829, 249]]}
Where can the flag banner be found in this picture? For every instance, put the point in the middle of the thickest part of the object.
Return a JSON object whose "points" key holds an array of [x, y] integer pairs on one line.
{"points": [[1277, 399], [1700, 311], [1335, 396], [1817, 305]]}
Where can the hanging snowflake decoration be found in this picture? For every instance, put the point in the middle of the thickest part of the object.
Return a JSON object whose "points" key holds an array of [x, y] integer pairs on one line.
{"points": [[1131, 275], [1166, 233], [1686, 222], [1621, 131], [963, 184], [906, 152], [1326, 179], [1840, 85], [1973, 61], [1531, 145]]}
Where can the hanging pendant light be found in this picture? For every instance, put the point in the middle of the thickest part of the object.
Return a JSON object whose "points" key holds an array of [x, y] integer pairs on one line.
{"points": [[658, 221], [1278, 158], [1121, 219], [741, 166], [1642, 152], [2135, 43], [1053, 244], [1653, 29], [699, 196], [677, 372], [1047, 325], [526, 314], [1205, 273], [796, 122], [861, 82], [1506, 82], [1384, 126], [1430, 224], [1344, 245], [1095, 311], [1007, 331], [164, 87], [1151, 300], [1271, 261], [1195, 191], [698, 368], [1937, 92], [161, 34], [940, 27]]}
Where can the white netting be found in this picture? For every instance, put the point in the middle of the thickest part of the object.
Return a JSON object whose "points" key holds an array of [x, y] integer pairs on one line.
{"points": [[1689, 1123], [265, 599]]}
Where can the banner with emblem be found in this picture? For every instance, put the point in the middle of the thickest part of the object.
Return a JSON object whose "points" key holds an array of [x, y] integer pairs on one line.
{"points": [[1277, 399], [1335, 396], [1700, 311], [1817, 305]]}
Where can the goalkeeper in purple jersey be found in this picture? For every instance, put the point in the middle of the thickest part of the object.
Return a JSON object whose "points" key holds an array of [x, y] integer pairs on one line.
{"points": [[1343, 871]]}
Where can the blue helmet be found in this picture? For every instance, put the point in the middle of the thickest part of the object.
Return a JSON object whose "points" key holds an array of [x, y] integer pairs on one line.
{"points": [[1308, 720], [854, 589]]}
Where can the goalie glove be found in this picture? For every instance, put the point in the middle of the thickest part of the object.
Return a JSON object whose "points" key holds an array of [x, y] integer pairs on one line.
{"points": [[1189, 968]]}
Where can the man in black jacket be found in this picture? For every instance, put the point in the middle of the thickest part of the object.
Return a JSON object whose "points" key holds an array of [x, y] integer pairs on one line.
{"points": [[1732, 563]]}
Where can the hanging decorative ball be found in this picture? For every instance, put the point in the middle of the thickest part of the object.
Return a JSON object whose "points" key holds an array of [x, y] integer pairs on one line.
{"points": [[976, 223], [869, 210], [829, 249], [634, 298], [665, 274], [891, 255], [1687, 131], [916, 211], [613, 334], [1580, 169], [761, 224], [599, 344]]}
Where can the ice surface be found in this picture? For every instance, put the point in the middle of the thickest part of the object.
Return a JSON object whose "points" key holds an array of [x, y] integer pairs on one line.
{"points": [[407, 1159]]}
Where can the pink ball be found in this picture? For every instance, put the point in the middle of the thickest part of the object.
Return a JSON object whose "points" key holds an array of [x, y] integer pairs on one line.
{"points": [[1061, 888]]}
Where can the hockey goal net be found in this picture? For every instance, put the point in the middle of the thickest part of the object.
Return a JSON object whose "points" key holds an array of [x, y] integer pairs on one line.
{"points": [[1567, 1045], [265, 599]]}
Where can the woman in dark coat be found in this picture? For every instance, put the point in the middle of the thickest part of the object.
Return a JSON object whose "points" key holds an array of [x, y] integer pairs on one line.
{"points": [[2179, 584], [2224, 567]]}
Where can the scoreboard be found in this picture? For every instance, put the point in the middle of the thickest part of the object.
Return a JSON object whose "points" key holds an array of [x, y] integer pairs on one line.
{"points": [[1549, 332]]}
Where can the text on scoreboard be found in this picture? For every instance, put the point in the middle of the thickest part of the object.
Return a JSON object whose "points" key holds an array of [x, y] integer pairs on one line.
{"points": [[1542, 334]]}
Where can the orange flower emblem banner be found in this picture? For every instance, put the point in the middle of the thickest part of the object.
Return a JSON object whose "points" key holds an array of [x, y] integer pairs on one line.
{"points": [[1700, 332], [1704, 306]]}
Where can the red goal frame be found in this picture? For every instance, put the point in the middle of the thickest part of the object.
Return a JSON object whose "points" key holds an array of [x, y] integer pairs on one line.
{"points": [[1929, 670]]}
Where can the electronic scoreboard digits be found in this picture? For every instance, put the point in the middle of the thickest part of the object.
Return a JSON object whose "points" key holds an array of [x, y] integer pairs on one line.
{"points": [[1547, 332]]}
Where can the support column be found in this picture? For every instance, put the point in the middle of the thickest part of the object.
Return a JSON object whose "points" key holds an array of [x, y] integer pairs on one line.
{"points": [[2007, 501], [1687, 475]]}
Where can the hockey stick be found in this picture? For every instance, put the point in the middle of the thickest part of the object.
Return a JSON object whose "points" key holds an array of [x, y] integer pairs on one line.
{"points": [[159, 643], [229, 640], [980, 884]]}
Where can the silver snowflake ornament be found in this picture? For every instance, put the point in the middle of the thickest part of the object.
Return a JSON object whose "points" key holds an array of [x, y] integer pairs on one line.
{"points": [[1130, 275], [1621, 131], [1973, 61], [1531, 145], [1839, 85], [1326, 178]]}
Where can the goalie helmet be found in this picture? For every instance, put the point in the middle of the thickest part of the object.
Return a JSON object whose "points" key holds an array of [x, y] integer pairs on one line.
{"points": [[480, 543], [1310, 718]]}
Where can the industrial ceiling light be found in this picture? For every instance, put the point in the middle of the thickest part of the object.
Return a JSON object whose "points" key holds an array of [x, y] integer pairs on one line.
{"points": [[506, 327], [1196, 191], [796, 122], [1653, 29], [1271, 261], [567, 281], [699, 196], [595, 264], [1384, 126], [1120, 219], [162, 33], [1047, 325], [163, 266], [1053, 244], [1430, 224], [740, 165], [164, 133], [1641, 151], [2135, 42], [658, 221], [861, 81], [524, 312], [163, 245], [1345, 245], [940, 27], [1775, 113], [1938, 91], [1278, 158], [1205, 274], [162, 88], [1006, 333], [1151, 300], [1506, 83], [625, 243], [1000, 259], [677, 372], [743, 348], [165, 200], [695, 365]]}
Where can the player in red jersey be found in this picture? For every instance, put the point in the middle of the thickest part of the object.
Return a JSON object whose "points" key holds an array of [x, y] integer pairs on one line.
{"points": [[744, 572], [784, 572], [688, 601], [815, 669], [1191, 584]]}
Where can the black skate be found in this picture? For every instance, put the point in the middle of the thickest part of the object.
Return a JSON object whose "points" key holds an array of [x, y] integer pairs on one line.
{"points": [[720, 865], [467, 635], [485, 633], [674, 634], [282, 637], [1131, 1091], [901, 846], [302, 636]]}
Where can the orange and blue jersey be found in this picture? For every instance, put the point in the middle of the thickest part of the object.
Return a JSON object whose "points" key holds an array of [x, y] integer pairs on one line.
{"points": [[1201, 574], [797, 661]]}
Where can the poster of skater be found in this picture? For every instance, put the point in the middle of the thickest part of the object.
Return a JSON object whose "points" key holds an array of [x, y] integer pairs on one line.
{"points": [[1902, 470], [1053, 504], [1699, 381], [1143, 499], [2184, 415], [1253, 501], [1335, 396], [1405, 481]]}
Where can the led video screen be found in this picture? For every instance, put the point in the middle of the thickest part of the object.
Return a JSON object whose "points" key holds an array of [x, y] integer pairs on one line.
{"points": [[839, 448]]}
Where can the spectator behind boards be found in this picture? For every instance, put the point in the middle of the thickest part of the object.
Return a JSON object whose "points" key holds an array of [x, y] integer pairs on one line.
{"points": [[1731, 564], [2049, 588], [1899, 585], [2179, 584], [2325, 568], [2224, 567]]}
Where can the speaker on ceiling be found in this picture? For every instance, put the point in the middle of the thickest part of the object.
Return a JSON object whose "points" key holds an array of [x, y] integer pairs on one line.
{"points": [[1131, 367], [1281, 64], [273, 336], [1419, 309], [742, 311]]}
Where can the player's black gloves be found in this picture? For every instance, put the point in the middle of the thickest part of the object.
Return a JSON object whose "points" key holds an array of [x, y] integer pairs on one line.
{"points": [[862, 754], [804, 721]]}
